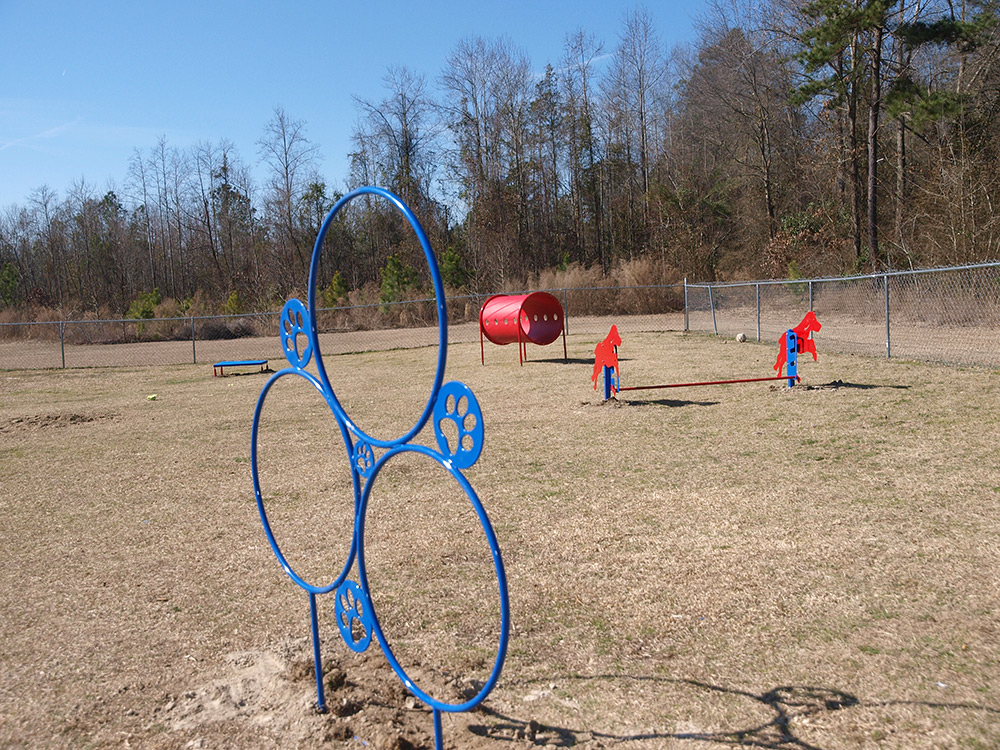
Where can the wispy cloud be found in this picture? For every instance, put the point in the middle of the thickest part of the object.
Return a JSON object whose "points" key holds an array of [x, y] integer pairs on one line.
{"points": [[42, 136], [597, 60]]}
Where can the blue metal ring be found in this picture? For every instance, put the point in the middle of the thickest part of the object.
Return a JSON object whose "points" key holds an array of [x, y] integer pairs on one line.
{"points": [[484, 521], [442, 312], [311, 588]]}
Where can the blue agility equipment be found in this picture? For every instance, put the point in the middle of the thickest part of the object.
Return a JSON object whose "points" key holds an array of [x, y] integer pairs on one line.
{"points": [[219, 367], [611, 383], [451, 402], [792, 357]]}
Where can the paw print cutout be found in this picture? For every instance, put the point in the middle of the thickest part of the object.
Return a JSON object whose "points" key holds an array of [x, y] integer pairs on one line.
{"points": [[353, 618], [457, 412], [295, 324], [363, 459]]}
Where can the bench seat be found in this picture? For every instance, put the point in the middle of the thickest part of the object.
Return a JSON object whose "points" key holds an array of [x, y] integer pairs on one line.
{"points": [[218, 371]]}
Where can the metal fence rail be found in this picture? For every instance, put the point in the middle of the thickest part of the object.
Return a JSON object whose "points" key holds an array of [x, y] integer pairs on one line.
{"points": [[948, 315]]}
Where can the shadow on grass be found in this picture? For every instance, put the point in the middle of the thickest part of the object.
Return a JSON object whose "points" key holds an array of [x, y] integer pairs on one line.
{"points": [[619, 403], [265, 371], [787, 702], [836, 384], [669, 402]]}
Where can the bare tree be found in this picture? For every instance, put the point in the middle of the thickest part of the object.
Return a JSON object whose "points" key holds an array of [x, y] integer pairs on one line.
{"points": [[487, 90], [642, 57], [739, 91], [399, 132], [546, 154], [471, 110], [581, 53], [292, 159], [49, 226], [140, 182]]}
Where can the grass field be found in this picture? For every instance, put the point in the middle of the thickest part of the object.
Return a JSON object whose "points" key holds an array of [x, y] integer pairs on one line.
{"points": [[721, 566]]}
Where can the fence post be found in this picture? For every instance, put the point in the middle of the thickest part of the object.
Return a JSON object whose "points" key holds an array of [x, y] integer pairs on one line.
{"points": [[758, 311], [711, 303], [62, 342], [565, 313], [810, 294], [888, 342], [194, 354], [685, 304]]}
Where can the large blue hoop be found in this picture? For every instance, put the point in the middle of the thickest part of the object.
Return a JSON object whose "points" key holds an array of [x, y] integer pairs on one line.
{"points": [[311, 588], [442, 313], [484, 521]]}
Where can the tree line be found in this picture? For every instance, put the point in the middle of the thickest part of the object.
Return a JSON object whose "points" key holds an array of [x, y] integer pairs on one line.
{"points": [[791, 138]]}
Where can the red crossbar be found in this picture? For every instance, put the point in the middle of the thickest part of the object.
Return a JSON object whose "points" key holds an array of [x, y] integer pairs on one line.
{"points": [[707, 382]]}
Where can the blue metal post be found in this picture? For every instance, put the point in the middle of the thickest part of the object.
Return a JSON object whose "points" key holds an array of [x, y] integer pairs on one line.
{"points": [[792, 356], [438, 743], [320, 697], [607, 382]]}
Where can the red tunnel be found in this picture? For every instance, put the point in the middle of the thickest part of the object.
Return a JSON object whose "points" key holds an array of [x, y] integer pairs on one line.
{"points": [[505, 318]]}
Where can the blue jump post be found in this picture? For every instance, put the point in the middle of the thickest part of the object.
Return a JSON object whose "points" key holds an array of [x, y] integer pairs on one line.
{"points": [[792, 354], [609, 380], [449, 405]]}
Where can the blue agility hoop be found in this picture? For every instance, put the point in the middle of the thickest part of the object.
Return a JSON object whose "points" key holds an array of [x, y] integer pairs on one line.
{"points": [[301, 582], [491, 539], [442, 311], [453, 405]]}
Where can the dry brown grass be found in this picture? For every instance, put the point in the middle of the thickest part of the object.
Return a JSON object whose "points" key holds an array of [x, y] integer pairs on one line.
{"points": [[707, 567]]}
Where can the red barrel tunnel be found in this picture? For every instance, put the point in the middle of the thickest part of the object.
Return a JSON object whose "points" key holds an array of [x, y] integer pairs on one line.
{"points": [[536, 317]]}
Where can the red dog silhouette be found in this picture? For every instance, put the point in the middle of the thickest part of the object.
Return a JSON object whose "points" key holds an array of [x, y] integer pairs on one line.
{"points": [[606, 355], [806, 345]]}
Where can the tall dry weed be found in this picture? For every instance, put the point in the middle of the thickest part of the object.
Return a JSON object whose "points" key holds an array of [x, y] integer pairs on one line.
{"points": [[574, 276]]}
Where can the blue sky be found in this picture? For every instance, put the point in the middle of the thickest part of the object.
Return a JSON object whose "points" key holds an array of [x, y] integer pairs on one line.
{"points": [[84, 84]]}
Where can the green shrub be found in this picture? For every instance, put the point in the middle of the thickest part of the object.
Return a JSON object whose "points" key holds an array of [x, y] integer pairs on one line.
{"points": [[453, 271], [233, 304], [335, 293], [397, 278], [10, 282], [144, 306]]}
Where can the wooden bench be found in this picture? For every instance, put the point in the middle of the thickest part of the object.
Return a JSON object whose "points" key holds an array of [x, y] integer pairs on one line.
{"points": [[217, 368]]}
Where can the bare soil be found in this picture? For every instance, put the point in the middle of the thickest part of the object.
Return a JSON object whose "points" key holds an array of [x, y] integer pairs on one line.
{"points": [[741, 565]]}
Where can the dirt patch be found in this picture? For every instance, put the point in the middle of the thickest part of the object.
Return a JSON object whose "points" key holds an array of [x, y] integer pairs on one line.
{"points": [[41, 421], [274, 691]]}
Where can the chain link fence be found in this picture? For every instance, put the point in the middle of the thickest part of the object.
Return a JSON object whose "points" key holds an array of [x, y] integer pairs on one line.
{"points": [[948, 315], [343, 330]]}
